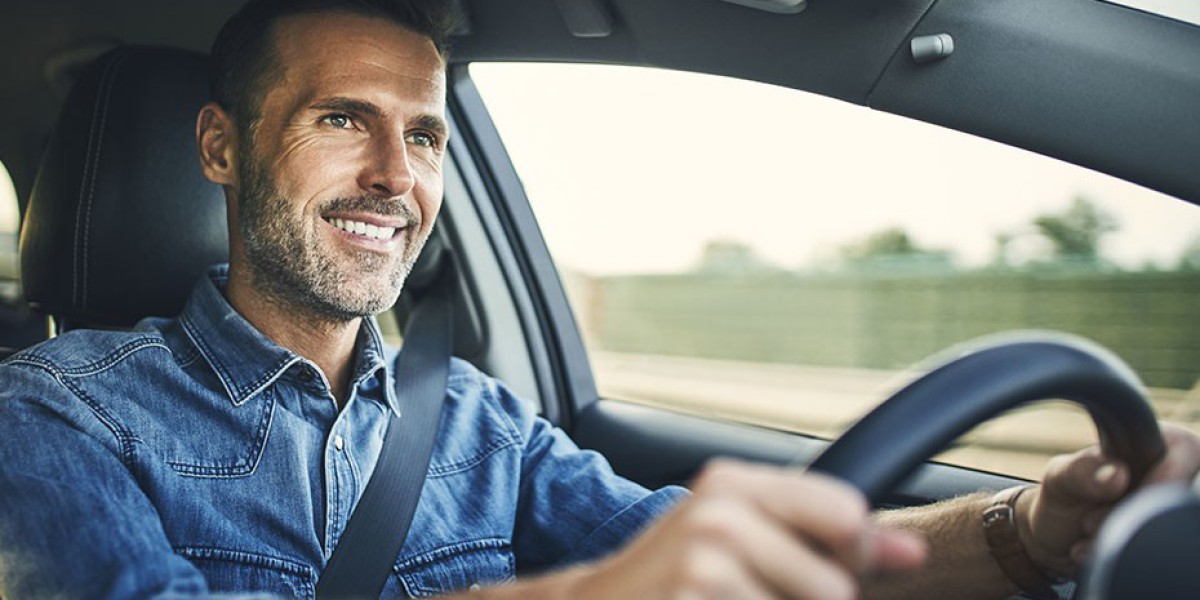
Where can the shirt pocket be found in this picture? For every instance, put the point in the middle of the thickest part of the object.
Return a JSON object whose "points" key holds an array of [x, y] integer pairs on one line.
{"points": [[232, 442], [248, 572], [457, 567]]}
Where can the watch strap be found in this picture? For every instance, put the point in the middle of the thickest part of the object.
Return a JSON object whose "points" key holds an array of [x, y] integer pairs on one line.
{"points": [[1004, 542]]}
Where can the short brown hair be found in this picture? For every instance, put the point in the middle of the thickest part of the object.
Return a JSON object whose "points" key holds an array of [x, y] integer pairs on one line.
{"points": [[244, 65]]}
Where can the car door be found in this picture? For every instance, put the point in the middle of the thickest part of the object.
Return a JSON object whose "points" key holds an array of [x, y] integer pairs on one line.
{"points": [[752, 352]]}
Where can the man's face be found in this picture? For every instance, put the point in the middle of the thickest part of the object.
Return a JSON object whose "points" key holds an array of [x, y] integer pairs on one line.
{"points": [[341, 181]]}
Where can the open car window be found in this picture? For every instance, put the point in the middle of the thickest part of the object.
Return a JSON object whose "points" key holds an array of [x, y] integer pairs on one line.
{"points": [[767, 256]]}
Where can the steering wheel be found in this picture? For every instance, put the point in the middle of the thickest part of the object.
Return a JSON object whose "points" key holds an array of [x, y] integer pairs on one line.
{"points": [[983, 379]]}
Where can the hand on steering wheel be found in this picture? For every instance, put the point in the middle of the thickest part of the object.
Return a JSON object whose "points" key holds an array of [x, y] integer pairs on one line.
{"points": [[1081, 489], [1059, 520]]}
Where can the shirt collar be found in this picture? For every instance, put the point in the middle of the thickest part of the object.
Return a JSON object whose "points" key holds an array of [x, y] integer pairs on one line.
{"points": [[246, 361], [372, 360]]}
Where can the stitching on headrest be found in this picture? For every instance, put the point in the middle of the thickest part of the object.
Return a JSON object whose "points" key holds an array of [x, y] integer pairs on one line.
{"points": [[91, 168]]}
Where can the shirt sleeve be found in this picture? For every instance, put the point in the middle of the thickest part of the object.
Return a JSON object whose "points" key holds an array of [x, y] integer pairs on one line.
{"points": [[73, 521], [572, 506]]}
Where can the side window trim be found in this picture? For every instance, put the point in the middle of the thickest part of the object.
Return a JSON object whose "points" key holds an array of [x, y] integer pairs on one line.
{"points": [[564, 374]]}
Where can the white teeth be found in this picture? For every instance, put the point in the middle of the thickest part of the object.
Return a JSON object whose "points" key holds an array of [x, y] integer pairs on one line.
{"points": [[364, 229]]}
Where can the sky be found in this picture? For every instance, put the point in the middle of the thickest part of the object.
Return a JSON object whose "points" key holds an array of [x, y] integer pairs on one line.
{"points": [[1184, 10], [633, 170]]}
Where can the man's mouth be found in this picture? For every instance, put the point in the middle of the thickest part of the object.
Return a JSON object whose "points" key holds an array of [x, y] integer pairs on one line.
{"points": [[369, 230]]}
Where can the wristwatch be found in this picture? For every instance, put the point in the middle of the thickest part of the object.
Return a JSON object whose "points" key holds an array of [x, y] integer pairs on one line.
{"points": [[1000, 529]]}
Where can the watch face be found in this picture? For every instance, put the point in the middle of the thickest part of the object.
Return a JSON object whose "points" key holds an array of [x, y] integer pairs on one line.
{"points": [[1001, 512]]}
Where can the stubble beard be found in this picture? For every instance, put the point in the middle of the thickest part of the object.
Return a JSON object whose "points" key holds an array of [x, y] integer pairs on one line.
{"points": [[289, 268]]}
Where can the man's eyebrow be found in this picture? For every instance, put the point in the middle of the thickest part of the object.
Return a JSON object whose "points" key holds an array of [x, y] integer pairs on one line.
{"points": [[361, 107], [433, 123], [348, 105]]}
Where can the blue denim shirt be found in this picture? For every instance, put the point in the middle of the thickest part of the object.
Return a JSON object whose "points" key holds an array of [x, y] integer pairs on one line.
{"points": [[194, 456]]}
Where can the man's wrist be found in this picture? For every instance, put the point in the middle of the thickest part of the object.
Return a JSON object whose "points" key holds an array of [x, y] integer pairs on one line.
{"points": [[1056, 566], [1006, 529]]}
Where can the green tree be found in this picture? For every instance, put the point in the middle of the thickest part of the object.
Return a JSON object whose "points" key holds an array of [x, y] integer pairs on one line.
{"points": [[1190, 259], [1003, 243], [731, 257], [1076, 232], [889, 243], [886, 243]]}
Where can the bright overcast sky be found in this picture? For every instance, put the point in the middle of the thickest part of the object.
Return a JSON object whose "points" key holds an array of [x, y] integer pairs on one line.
{"points": [[1184, 10], [634, 170]]}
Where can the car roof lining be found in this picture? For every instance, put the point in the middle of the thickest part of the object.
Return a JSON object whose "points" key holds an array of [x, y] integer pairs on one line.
{"points": [[1122, 95], [837, 49]]}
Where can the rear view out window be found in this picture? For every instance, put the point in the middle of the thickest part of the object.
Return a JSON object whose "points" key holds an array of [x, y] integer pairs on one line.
{"points": [[19, 326], [8, 234], [763, 255]]}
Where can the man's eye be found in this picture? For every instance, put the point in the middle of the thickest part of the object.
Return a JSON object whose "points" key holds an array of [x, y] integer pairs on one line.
{"points": [[339, 121], [422, 138]]}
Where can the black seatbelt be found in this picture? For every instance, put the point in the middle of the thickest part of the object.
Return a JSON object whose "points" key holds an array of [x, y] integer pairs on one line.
{"points": [[363, 558]]}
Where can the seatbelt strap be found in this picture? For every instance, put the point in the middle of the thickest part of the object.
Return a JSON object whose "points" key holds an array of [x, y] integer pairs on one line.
{"points": [[363, 558]]}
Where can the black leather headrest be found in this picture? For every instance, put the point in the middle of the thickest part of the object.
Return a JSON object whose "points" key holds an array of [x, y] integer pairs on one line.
{"points": [[121, 223]]}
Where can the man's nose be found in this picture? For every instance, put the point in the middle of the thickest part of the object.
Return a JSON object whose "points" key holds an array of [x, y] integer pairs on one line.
{"points": [[387, 171]]}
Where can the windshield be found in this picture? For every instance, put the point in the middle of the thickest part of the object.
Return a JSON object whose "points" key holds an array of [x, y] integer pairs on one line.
{"points": [[1180, 10]]}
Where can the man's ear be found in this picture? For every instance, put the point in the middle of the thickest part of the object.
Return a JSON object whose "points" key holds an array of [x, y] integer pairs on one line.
{"points": [[216, 137]]}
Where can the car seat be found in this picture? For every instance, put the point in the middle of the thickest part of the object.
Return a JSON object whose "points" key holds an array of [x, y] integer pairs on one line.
{"points": [[121, 223]]}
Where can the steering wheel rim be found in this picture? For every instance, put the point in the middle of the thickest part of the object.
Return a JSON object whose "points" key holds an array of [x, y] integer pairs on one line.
{"points": [[985, 378]]}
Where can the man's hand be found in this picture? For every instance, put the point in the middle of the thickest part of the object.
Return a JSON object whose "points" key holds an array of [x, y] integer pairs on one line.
{"points": [[754, 532], [1061, 519]]}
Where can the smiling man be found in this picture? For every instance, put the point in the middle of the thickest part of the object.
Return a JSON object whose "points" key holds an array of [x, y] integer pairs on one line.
{"points": [[336, 179], [225, 450]]}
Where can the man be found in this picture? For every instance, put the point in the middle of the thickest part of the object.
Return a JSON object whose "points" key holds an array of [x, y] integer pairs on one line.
{"points": [[223, 451]]}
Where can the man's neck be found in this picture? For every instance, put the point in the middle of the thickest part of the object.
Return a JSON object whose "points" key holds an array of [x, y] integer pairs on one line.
{"points": [[328, 343]]}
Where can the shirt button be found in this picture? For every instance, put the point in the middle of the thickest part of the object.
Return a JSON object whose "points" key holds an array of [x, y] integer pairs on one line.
{"points": [[475, 587], [338, 442]]}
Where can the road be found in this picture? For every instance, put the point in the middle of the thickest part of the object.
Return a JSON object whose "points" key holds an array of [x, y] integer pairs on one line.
{"points": [[825, 401]]}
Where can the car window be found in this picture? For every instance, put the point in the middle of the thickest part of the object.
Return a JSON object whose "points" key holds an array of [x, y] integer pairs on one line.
{"points": [[768, 256], [1182, 10], [8, 237], [389, 326]]}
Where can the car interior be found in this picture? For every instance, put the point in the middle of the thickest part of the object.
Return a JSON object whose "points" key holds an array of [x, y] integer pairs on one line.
{"points": [[116, 221]]}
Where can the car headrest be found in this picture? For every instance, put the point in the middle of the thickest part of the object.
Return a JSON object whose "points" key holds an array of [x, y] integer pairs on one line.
{"points": [[121, 223]]}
